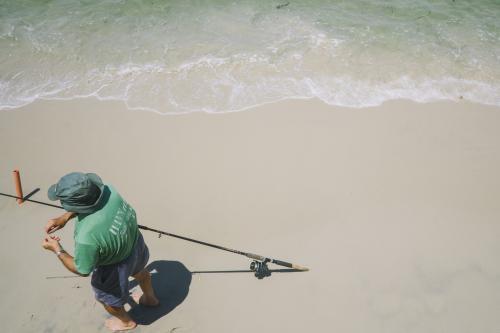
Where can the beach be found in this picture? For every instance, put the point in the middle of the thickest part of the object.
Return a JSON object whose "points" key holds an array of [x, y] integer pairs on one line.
{"points": [[393, 208], [359, 139]]}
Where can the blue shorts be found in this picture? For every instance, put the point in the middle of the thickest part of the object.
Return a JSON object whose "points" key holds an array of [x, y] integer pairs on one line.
{"points": [[110, 282]]}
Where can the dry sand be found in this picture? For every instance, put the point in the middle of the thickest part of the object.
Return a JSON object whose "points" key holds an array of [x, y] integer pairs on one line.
{"points": [[395, 209]]}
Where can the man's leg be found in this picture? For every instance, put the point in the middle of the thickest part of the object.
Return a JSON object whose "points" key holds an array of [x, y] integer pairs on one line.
{"points": [[148, 297], [120, 320]]}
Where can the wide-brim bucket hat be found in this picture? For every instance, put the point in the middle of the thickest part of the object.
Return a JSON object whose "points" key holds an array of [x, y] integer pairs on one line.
{"points": [[78, 192]]}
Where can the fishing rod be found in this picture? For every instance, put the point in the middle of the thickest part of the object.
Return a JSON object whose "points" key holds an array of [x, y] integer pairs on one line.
{"points": [[30, 200], [258, 265]]}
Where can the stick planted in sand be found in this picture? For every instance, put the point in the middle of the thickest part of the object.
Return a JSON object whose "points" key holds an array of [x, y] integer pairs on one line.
{"points": [[17, 184]]}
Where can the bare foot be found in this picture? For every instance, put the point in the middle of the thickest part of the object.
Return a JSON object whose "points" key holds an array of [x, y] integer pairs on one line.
{"points": [[116, 325], [141, 299]]}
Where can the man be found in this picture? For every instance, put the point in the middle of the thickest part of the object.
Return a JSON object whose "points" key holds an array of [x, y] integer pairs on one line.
{"points": [[107, 243]]}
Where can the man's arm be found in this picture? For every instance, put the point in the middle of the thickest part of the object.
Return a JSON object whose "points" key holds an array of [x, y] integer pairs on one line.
{"points": [[59, 222], [52, 243], [69, 262]]}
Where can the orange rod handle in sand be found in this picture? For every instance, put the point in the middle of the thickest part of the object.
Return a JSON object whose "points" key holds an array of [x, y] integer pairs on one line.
{"points": [[17, 184]]}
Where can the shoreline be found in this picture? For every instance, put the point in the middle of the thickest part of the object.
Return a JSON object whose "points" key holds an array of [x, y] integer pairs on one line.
{"points": [[124, 105]]}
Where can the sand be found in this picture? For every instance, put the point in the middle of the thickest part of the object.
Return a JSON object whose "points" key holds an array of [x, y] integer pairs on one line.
{"points": [[393, 208]]}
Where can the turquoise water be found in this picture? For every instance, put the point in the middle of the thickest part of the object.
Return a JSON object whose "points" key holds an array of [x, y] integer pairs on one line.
{"points": [[216, 56]]}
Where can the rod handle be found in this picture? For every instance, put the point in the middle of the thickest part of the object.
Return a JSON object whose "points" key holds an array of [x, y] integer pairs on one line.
{"points": [[17, 184], [290, 265], [300, 268]]}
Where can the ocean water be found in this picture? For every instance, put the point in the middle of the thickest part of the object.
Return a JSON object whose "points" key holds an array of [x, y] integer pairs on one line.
{"points": [[219, 56]]}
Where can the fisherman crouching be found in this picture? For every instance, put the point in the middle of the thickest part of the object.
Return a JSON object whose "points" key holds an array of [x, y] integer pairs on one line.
{"points": [[108, 244]]}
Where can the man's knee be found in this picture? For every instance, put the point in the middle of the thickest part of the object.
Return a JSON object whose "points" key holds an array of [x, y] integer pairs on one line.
{"points": [[142, 275]]}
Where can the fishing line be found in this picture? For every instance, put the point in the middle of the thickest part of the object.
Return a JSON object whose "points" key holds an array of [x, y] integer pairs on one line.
{"points": [[258, 265]]}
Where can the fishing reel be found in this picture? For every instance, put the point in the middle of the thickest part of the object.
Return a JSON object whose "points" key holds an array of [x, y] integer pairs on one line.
{"points": [[260, 268]]}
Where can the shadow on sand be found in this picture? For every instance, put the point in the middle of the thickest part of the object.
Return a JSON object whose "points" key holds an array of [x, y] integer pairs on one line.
{"points": [[171, 280]]}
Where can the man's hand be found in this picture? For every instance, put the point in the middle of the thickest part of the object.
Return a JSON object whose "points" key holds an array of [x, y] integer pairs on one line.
{"points": [[51, 243], [58, 222]]}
